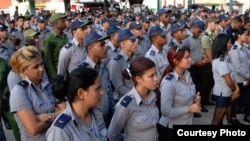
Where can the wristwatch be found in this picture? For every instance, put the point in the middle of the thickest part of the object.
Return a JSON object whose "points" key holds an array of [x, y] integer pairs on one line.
{"points": [[50, 117]]}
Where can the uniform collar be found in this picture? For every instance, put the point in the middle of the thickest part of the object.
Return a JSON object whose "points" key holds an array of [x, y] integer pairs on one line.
{"points": [[76, 43], [155, 49], [124, 56], [177, 77], [238, 45], [44, 82], [138, 98], [111, 45]]}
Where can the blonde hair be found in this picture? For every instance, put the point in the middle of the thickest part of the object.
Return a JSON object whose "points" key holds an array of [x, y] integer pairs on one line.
{"points": [[22, 58]]}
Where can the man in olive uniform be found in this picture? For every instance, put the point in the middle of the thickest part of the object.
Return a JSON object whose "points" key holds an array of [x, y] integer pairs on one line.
{"points": [[53, 43]]}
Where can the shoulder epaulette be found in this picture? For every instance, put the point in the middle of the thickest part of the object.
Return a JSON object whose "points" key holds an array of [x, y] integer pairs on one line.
{"points": [[62, 121], [235, 46], [221, 58], [169, 77], [68, 45], [125, 101], [117, 57], [4, 47], [23, 83], [108, 47], [171, 44], [83, 65], [152, 53]]}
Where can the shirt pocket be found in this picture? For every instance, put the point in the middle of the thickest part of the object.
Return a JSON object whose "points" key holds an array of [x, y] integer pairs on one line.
{"points": [[141, 122]]}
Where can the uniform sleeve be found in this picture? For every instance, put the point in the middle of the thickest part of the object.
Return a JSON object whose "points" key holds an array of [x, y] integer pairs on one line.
{"points": [[222, 69], [118, 123], [156, 64], [64, 59], [19, 99], [117, 78], [57, 134], [204, 42], [237, 65], [167, 97], [48, 56]]}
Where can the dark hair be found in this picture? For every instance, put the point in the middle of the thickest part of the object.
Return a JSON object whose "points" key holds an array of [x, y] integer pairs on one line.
{"points": [[237, 19], [67, 86], [174, 52], [137, 67], [239, 31], [219, 47]]}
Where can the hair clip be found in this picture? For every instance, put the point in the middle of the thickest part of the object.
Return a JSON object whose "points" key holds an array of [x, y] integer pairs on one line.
{"points": [[129, 73]]}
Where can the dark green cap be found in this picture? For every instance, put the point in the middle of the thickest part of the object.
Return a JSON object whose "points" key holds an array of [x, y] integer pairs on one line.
{"points": [[56, 16], [30, 33]]}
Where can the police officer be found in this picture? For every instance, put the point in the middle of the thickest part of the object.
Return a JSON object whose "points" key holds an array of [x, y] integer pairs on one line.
{"points": [[164, 18], [97, 50], [44, 32], [97, 22], [143, 44], [136, 113], [67, 29], [20, 29], [193, 43], [5, 40], [128, 44], [178, 32], [104, 27], [73, 53], [112, 43], [81, 120], [156, 53], [222, 24], [240, 62]]}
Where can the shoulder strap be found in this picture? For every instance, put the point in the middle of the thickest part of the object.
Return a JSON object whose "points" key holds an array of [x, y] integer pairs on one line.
{"points": [[62, 121]]}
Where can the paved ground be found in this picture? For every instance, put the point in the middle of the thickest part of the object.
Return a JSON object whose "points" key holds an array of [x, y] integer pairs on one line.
{"points": [[204, 120]]}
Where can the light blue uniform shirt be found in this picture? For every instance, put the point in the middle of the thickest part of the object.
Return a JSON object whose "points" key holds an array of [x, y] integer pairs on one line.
{"points": [[195, 48], [68, 127], [107, 100], [177, 95], [220, 67], [138, 118], [159, 59], [70, 56], [25, 95], [240, 62], [121, 84]]}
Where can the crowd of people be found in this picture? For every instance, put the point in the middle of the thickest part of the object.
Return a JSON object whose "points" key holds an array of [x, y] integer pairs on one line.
{"points": [[106, 76]]}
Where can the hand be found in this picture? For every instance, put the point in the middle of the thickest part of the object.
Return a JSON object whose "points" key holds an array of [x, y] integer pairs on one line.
{"points": [[194, 108], [197, 98], [205, 60]]}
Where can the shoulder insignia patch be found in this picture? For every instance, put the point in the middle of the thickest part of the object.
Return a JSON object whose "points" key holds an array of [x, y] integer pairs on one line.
{"points": [[108, 47], [221, 58], [4, 47], [169, 77], [23, 83], [68, 45], [152, 53], [117, 57], [83, 65], [125, 101], [171, 44], [235, 46], [62, 121]]}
